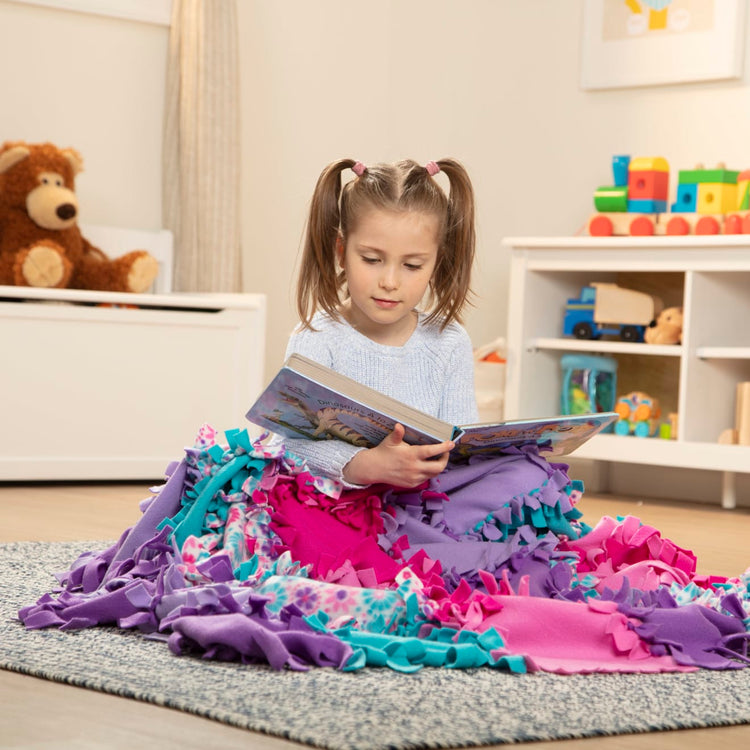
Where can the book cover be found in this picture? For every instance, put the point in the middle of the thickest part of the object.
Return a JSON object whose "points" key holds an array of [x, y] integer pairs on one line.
{"points": [[308, 400]]}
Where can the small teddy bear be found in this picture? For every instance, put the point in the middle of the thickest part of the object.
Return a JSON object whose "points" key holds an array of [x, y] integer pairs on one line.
{"points": [[40, 242], [667, 329]]}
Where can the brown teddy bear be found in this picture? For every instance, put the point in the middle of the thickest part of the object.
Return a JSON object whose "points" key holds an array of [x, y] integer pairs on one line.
{"points": [[40, 242], [667, 329]]}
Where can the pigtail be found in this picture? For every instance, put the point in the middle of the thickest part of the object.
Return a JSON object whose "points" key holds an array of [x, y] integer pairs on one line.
{"points": [[451, 284], [319, 281]]}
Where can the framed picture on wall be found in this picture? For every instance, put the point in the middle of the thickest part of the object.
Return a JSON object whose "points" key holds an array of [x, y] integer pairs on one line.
{"points": [[652, 42]]}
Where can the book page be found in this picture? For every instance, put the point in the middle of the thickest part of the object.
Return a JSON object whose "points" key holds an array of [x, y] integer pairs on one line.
{"points": [[556, 436]]}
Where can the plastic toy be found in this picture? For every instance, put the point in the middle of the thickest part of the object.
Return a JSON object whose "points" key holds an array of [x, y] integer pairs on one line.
{"points": [[708, 201], [607, 309], [639, 414], [589, 384]]}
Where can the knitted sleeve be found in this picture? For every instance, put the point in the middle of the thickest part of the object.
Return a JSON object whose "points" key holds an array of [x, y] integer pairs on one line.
{"points": [[325, 457], [459, 403]]}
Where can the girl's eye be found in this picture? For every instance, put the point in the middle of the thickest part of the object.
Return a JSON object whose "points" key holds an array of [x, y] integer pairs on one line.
{"points": [[371, 261], [412, 266]]}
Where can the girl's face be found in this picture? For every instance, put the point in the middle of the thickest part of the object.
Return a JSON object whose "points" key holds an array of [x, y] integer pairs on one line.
{"points": [[388, 259]]}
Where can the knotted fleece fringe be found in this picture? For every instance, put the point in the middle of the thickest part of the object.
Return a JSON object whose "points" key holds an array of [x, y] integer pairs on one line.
{"points": [[244, 555]]}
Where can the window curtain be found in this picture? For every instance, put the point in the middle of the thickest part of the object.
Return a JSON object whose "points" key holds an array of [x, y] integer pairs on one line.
{"points": [[201, 169]]}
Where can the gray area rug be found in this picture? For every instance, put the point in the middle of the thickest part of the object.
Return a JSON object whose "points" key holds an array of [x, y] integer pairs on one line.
{"points": [[367, 710]]}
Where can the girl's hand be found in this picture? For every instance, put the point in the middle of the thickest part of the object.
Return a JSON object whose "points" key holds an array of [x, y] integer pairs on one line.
{"points": [[398, 463]]}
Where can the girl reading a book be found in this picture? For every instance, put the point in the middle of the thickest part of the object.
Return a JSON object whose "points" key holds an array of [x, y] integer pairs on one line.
{"points": [[376, 248], [382, 547]]}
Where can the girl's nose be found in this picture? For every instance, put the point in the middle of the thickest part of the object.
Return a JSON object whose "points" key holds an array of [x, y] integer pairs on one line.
{"points": [[389, 279]]}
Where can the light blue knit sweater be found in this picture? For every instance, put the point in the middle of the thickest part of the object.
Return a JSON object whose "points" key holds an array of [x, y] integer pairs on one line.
{"points": [[433, 371]]}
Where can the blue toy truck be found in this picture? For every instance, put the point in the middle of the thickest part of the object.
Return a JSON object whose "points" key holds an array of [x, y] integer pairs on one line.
{"points": [[605, 309]]}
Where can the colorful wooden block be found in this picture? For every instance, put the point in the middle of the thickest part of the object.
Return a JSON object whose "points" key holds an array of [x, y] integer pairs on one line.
{"points": [[649, 163], [647, 206], [651, 184], [687, 197], [716, 198], [611, 199], [743, 190], [620, 166], [708, 175]]}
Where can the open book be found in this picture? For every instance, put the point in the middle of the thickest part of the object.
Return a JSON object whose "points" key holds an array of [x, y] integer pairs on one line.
{"points": [[309, 400]]}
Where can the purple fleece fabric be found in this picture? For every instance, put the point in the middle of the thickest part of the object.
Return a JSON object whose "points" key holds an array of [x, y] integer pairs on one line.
{"points": [[494, 542]]}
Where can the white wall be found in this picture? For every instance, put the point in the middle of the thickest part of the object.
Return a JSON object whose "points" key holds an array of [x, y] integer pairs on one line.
{"points": [[95, 83], [491, 82], [494, 83]]}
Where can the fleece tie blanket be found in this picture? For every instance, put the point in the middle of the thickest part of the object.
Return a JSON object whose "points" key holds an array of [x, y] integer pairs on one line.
{"points": [[244, 555]]}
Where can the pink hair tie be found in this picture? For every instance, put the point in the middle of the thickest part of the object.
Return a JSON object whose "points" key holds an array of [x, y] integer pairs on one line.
{"points": [[359, 169], [432, 168]]}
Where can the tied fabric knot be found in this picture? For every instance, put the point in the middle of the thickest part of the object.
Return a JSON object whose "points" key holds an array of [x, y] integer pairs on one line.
{"points": [[359, 169], [432, 168]]}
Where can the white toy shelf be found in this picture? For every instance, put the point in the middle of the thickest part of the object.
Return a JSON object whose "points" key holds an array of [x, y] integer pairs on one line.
{"points": [[709, 276]]}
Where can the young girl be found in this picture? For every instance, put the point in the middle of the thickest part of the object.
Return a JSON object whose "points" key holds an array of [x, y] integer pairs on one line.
{"points": [[485, 562], [375, 250]]}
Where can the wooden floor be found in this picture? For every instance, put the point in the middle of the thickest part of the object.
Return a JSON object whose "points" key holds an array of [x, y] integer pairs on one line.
{"points": [[40, 714]]}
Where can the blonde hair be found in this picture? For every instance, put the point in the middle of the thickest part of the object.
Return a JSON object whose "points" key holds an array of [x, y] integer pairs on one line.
{"points": [[403, 186]]}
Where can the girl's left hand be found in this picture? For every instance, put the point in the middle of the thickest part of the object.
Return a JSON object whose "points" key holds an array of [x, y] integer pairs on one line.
{"points": [[397, 463]]}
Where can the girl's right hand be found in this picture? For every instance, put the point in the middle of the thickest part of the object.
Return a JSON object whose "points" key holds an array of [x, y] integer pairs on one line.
{"points": [[397, 463]]}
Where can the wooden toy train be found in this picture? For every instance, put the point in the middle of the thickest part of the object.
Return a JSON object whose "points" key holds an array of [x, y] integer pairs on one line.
{"points": [[708, 201]]}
